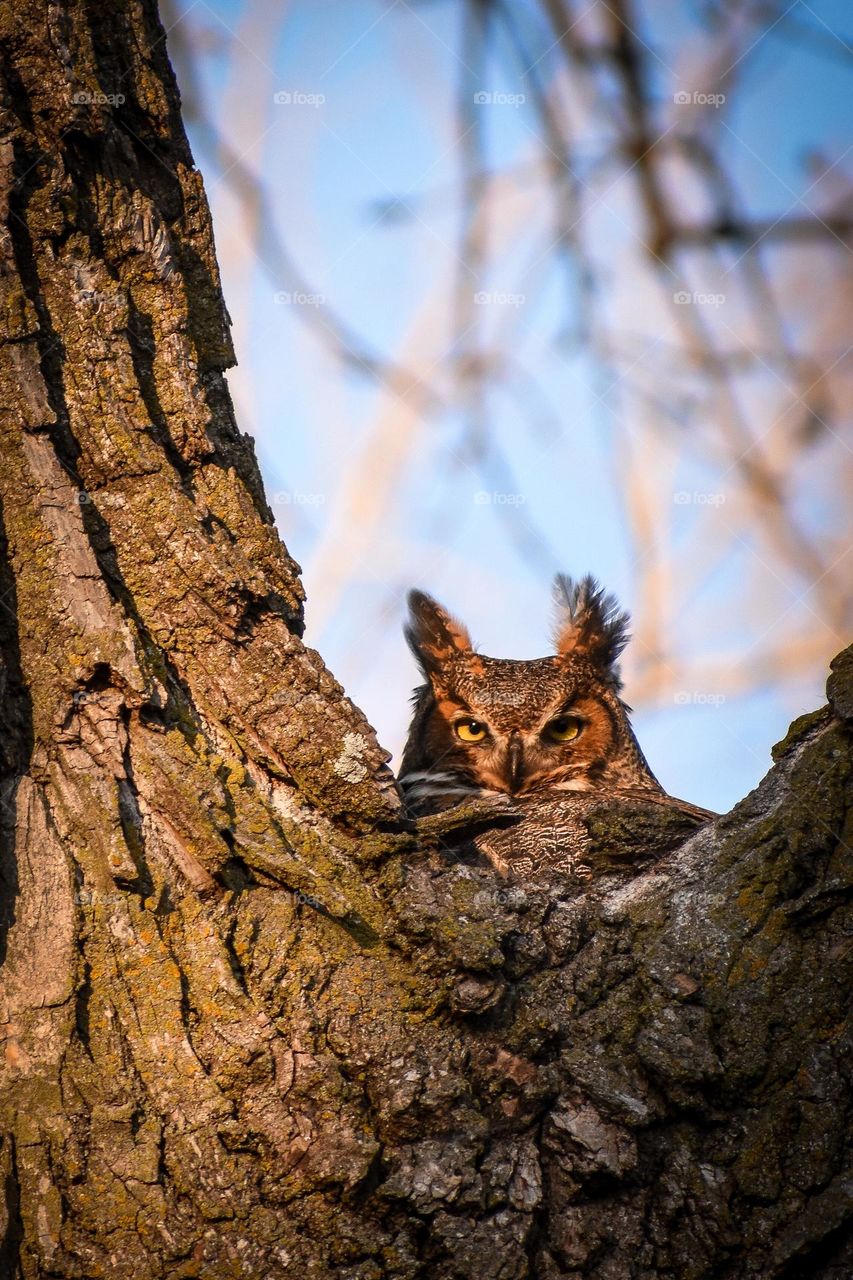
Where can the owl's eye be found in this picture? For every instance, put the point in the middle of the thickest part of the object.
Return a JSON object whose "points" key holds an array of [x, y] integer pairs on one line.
{"points": [[470, 730], [563, 728]]}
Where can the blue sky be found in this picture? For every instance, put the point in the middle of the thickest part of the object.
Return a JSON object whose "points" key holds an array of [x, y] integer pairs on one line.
{"points": [[369, 119]]}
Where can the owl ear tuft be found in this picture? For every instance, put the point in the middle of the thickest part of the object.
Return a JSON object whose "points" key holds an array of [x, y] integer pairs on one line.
{"points": [[590, 623], [434, 636]]}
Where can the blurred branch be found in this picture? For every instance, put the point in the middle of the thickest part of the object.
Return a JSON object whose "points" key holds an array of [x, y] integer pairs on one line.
{"points": [[753, 393], [270, 250]]}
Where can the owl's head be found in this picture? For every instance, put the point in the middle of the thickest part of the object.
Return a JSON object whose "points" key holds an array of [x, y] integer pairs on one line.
{"points": [[521, 726]]}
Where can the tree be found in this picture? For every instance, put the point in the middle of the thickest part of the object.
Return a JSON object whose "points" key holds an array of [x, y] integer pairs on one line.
{"points": [[256, 1023]]}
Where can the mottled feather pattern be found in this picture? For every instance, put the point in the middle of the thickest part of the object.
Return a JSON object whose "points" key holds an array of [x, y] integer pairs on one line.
{"points": [[589, 619], [551, 735]]}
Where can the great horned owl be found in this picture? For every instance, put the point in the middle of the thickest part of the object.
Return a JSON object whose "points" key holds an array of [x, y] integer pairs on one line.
{"points": [[552, 735]]}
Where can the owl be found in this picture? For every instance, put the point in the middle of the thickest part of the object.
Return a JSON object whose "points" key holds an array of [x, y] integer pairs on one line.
{"points": [[550, 735]]}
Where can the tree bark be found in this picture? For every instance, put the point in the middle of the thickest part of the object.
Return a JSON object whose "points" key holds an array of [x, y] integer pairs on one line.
{"points": [[256, 1025]]}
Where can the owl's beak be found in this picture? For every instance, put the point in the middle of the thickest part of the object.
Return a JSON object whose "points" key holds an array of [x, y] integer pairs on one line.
{"points": [[515, 762]]}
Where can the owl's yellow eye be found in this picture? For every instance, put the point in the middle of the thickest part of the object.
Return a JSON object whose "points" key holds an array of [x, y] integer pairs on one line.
{"points": [[470, 730], [563, 729]]}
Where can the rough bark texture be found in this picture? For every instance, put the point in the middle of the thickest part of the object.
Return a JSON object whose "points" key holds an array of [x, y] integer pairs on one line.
{"points": [[253, 1028]]}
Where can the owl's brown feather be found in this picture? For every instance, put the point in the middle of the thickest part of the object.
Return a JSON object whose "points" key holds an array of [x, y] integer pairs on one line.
{"points": [[585, 835], [591, 623], [551, 734]]}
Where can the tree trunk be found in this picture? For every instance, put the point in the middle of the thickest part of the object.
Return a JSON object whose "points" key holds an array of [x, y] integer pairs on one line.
{"points": [[253, 1027]]}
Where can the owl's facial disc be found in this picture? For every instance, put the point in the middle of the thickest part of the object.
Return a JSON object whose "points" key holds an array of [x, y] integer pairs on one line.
{"points": [[526, 747], [518, 726]]}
